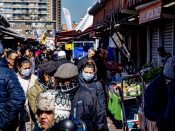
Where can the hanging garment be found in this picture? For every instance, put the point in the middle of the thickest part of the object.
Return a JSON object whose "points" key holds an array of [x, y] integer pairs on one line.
{"points": [[114, 106]]}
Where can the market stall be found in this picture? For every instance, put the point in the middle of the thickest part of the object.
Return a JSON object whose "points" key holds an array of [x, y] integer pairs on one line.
{"points": [[125, 100]]}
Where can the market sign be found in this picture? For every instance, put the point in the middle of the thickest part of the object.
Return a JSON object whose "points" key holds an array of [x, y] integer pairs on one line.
{"points": [[68, 46], [150, 12]]}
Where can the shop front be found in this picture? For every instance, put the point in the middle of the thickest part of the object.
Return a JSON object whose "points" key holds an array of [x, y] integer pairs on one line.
{"points": [[8, 37], [159, 20]]}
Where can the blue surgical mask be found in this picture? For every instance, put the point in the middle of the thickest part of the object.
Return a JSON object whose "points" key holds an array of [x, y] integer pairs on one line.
{"points": [[25, 72], [87, 76]]}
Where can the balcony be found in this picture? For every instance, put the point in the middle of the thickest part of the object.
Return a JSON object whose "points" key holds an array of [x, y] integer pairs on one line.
{"points": [[42, 12], [42, 1], [42, 6], [33, 5]]}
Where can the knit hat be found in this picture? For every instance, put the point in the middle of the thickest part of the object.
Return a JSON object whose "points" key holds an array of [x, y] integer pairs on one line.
{"points": [[169, 68], [67, 70], [61, 54], [55, 101], [1, 49]]}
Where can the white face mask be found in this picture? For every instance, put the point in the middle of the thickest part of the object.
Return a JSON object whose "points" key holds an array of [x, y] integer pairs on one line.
{"points": [[87, 76], [25, 72]]}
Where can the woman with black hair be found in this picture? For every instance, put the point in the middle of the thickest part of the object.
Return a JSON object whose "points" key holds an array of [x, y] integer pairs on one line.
{"points": [[27, 80]]}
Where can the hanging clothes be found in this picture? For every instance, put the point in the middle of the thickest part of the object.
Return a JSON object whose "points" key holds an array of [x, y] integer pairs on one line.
{"points": [[114, 106]]}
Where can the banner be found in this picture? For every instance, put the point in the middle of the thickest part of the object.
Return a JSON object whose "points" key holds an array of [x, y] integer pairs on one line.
{"points": [[67, 17], [36, 35], [68, 46]]}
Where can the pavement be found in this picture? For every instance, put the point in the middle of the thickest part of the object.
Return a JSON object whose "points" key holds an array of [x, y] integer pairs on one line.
{"points": [[111, 125]]}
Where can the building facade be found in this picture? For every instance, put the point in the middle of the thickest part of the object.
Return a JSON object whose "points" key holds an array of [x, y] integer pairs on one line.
{"points": [[144, 24], [26, 16]]}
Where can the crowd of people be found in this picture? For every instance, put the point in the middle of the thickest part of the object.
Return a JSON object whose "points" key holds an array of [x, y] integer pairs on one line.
{"points": [[42, 90]]}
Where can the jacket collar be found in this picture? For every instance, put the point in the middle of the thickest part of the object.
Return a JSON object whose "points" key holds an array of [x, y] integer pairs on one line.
{"points": [[3, 62]]}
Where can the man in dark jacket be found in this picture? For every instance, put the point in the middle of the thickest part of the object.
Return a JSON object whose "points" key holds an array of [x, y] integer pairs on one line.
{"points": [[164, 55], [83, 60], [11, 96], [101, 67], [84, 104], [156, 101], [159, 98], [170, 115]]}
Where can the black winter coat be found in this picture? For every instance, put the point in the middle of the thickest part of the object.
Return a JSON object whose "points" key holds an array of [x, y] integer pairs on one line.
{"points": [[101, 68], [170, 114], [12, 97], [96, 88], [85, 107], [156, 99]]}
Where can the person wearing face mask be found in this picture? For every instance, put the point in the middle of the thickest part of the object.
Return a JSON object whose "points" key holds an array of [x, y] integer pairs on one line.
{"points": [[29, 55], [88, 78], [27, 80], [85, 105]]}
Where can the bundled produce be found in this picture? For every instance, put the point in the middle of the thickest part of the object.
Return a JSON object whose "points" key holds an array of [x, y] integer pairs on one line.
{"points": [[151, 73], [132, 89]]}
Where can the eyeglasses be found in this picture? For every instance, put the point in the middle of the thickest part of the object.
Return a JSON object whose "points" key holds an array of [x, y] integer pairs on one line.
{"points": [[11, 59]]}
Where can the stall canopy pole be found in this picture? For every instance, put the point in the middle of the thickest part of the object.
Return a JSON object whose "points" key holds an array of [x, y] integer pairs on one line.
{"points": [[125, 52], [122, 48]]}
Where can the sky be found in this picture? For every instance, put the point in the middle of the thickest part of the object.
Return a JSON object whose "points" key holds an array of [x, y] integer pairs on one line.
{"points": [[77, 8]]}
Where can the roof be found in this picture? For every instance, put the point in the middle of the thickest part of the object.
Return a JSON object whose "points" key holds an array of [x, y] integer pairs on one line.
{"points": [[6, 32], [96, 6], [73, 34], [85, 23], [4, 22]]}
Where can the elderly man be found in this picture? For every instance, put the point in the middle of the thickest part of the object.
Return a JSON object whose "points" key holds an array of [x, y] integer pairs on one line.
{"points": [[89, 56]]}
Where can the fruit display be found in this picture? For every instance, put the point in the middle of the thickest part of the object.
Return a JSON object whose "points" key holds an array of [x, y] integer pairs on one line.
{"points": [[132, 89], [131, 85]]}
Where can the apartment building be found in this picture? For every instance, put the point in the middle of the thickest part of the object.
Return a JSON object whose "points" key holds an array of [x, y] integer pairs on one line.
{"points": [[26, 16]]}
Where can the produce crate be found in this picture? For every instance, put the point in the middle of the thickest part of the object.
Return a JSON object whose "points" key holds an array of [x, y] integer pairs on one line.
{"points": [[131, 86]]}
